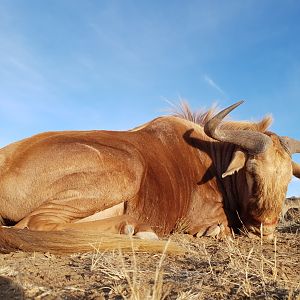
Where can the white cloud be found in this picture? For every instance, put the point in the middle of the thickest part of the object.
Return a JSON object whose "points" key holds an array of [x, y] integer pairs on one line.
{"points": [[213, 84]]}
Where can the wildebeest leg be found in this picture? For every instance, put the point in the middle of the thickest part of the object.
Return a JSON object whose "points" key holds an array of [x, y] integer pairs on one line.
{"points": [[123, 224], [114, 211], [206, 214]]}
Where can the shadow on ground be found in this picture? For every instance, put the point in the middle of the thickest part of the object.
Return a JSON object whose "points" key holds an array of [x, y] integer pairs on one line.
{"points": [[10, 289]]}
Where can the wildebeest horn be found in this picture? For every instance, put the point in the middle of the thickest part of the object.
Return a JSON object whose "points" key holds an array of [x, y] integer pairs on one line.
{"points": [[251, 141], [296, 169], [292, 145]]}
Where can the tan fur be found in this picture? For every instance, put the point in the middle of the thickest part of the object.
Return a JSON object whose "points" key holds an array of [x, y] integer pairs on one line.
{"points": [[79, 184], [77, 241], [269, 174]]}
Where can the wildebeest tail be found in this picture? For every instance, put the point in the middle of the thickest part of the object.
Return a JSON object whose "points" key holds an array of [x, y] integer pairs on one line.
{"points": [[59, 242]]}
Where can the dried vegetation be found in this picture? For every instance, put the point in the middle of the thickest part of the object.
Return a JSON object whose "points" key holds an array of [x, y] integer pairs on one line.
{"points": [[239, 268]]}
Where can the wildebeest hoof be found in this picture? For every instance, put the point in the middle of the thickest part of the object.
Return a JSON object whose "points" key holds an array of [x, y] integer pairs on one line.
{"points": [[128, 229], [213, 231], [146, 235], [201, 232]]}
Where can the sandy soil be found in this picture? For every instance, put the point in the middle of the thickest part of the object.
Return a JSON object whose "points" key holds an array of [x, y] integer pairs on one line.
{"points": [[241, 268]]}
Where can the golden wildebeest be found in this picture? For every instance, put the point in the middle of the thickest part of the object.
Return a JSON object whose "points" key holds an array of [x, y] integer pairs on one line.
{"points": [[213, 176]]}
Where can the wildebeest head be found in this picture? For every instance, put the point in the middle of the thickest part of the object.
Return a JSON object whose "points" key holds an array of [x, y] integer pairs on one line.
{"points": [[266, 164]]}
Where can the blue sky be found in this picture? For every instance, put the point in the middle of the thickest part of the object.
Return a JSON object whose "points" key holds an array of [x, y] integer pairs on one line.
{"points": [[68, 64]]}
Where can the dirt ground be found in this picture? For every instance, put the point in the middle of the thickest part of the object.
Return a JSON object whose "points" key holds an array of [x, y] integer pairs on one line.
{"points": [[240, 268]]}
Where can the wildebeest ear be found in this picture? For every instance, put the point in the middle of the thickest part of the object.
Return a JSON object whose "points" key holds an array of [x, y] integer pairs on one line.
{"points": [[296, 169], [238, 162]]}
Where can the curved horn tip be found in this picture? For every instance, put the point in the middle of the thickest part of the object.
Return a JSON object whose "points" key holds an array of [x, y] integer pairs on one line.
{"points": [[251, 141], [211, 125], [228, 109], [233, 106]]}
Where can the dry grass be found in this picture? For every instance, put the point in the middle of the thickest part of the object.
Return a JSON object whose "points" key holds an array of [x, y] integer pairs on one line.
{"points": [[239, 268]]}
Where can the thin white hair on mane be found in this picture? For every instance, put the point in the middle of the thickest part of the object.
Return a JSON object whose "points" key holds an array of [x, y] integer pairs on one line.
{"points": [[200, 117], [184, 111]]}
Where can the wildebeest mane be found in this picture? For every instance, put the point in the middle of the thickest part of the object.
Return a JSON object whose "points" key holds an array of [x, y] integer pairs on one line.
{"points": [[200, 117]]}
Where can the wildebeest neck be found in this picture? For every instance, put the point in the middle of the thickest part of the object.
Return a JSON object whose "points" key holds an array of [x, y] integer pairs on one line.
{"points": [[219, 156], [234, 187]]}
